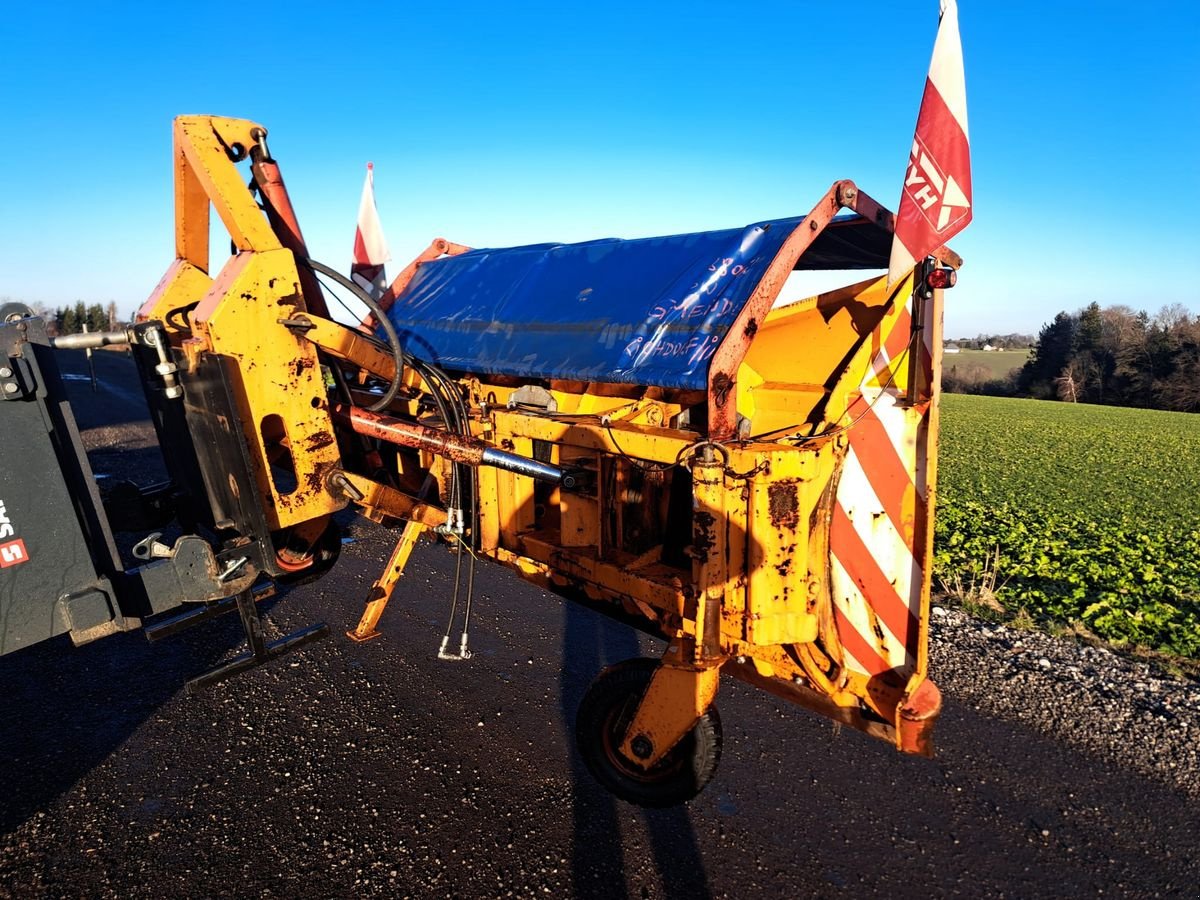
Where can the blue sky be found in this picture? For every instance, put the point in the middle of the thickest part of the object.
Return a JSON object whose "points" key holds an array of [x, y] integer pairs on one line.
{"points": [[500, 124]]}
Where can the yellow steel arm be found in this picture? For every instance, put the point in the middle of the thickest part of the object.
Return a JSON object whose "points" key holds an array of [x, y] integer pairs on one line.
{"points": [[206, 149]]}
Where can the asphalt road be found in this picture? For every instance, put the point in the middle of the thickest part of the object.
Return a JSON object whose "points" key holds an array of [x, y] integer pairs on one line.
{"points": [[376, 769]]}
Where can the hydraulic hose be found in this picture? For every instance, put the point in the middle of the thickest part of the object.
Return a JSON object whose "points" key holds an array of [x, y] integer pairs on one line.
{"points": [[393, 339]]}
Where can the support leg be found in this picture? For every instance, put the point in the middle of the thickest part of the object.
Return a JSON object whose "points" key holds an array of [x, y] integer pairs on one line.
{"points": [[259, 650], [381, 591]]}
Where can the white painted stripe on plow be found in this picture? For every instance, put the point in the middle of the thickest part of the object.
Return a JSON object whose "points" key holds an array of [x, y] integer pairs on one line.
{"points": [[878, 533], [900, 423], [854, 607]]}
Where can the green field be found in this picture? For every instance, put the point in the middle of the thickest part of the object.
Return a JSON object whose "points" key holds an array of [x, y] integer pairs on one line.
{"points": [[1084, 514], [998, 363]]}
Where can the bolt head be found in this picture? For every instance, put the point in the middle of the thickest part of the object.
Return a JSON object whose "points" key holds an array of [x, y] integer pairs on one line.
{"points": [[11, 388], [5, 372], [641, 747]]}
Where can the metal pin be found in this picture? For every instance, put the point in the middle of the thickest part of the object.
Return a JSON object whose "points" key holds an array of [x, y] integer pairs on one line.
{"points": [[234, 566]]}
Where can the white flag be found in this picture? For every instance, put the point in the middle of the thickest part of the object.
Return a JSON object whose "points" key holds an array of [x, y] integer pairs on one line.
{"points": [[370, 246]]}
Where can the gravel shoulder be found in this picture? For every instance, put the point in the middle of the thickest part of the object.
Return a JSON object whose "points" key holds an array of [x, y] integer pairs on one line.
{"points": [[1124, 710]]}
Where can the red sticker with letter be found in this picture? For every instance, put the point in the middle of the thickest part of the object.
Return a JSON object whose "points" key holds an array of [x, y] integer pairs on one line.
{"points": [[12, 554]]}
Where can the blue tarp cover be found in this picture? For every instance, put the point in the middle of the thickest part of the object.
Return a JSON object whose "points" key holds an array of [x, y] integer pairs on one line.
{"points": [[650, 311]]}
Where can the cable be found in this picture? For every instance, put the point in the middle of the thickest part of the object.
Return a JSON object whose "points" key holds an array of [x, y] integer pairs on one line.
{"points": [[634, 461], [455, 416], [432, 374], [381, 317], [454, 597], [338, 297], [465, 546], [339, 375], [471, 549], [461, 420], [367, 338], [893, 367], [444, 405], [533, 409]]}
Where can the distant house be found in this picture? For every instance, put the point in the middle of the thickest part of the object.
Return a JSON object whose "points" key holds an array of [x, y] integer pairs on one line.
{"points": [[990, 347], [951, 348]]}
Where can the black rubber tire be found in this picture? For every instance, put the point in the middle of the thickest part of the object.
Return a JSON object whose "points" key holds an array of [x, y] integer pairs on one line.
{"points": [[605, 713]]}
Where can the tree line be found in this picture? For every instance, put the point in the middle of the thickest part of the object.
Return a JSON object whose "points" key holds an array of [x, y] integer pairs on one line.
{"points": [[1116, 356], [72, 319]]}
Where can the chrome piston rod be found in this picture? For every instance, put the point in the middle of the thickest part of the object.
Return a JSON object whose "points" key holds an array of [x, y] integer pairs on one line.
{"points": [[457, 447], [89, 340], [523, 465]]}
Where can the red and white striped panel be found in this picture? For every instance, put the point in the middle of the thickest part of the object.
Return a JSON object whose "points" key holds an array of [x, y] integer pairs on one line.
{"points": [[877, 537]]}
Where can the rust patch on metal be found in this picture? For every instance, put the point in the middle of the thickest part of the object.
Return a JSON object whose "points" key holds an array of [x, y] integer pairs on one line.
{"points": [[784, 504], [319, 440], [314, 481], [721, 386], [704, 536], [568, 566], [918, 715], [456, 447], [881, 644], [751, 328]]}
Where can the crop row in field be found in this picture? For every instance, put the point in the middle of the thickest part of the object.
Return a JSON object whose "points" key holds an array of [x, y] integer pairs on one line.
{"points": [[1079, 514]]}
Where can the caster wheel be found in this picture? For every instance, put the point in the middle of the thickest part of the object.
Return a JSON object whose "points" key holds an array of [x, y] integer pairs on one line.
{"points": [[604, 715]]}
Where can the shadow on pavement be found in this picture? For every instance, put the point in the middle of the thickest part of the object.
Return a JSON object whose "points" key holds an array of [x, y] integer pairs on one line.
{"points": [[591, 642], [76, 706]]}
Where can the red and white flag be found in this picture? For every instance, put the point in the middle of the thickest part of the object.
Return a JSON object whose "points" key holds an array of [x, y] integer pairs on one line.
{"points": [[370, 246], [935, 204]]}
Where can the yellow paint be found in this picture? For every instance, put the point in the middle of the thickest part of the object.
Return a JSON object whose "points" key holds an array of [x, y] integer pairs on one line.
{"points": [[676, 697], [276, 376], [350, 345]]}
